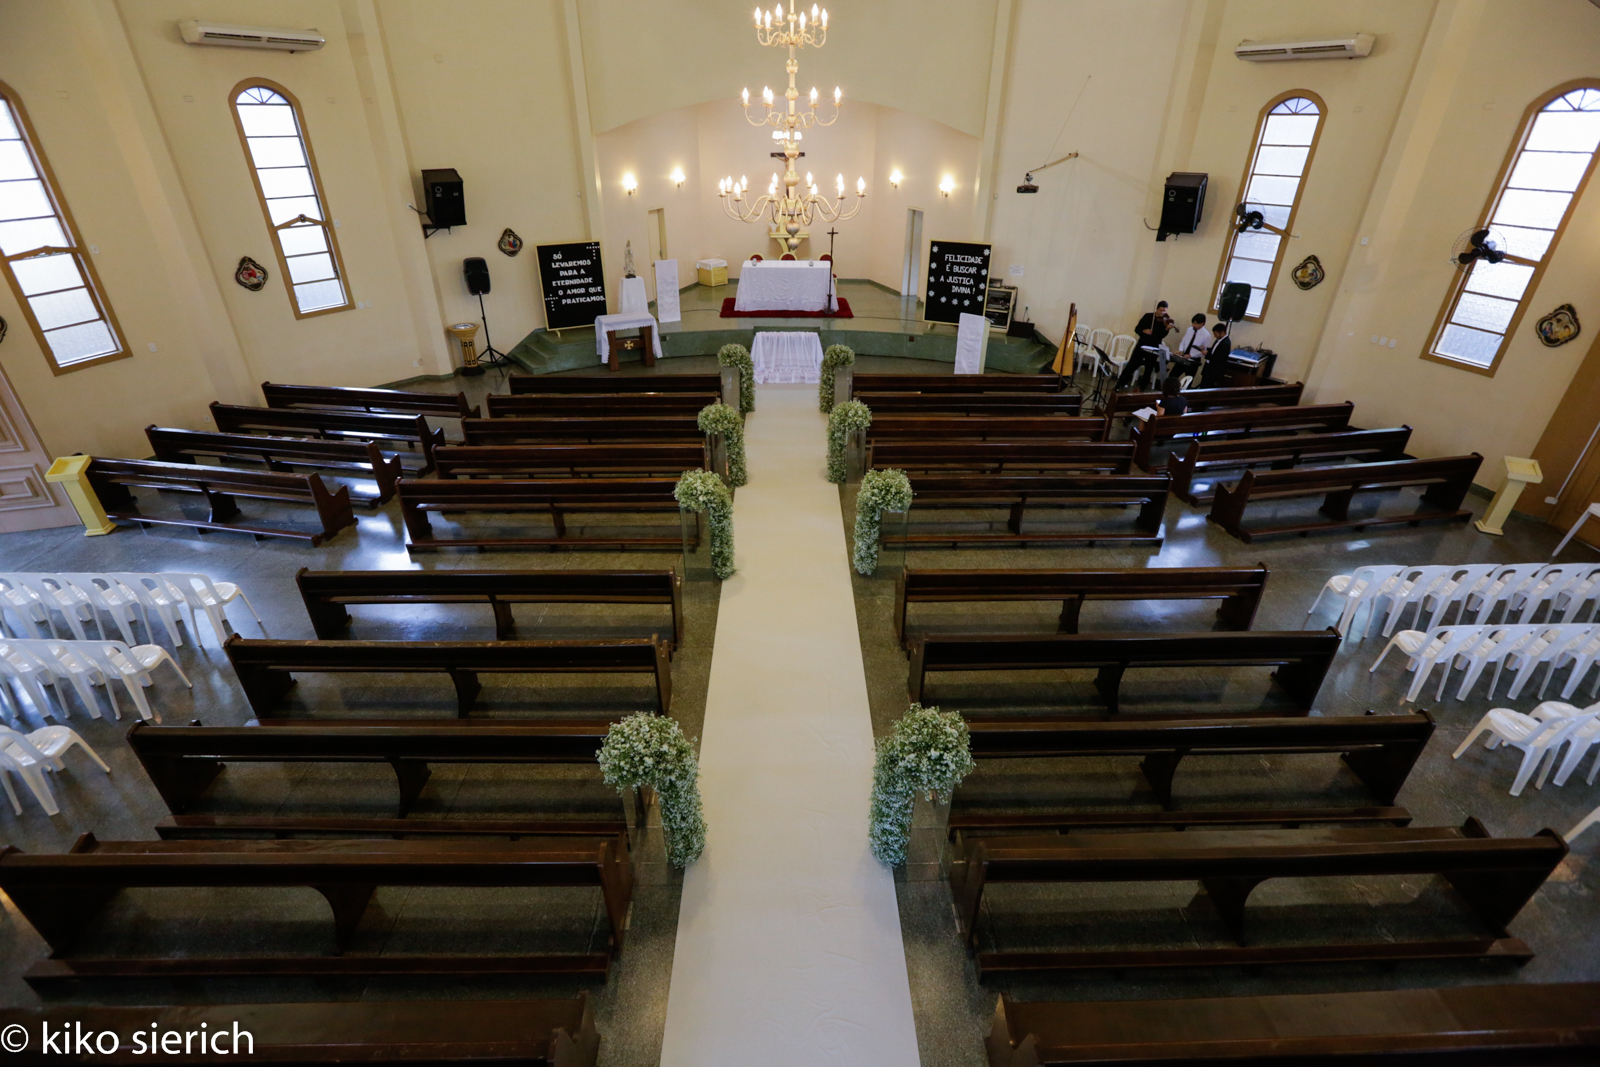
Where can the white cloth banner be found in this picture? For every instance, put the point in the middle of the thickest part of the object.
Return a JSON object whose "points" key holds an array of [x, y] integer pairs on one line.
{"points": [[972, 344], [667, 291], [783, 285], [787, 358], [635, 300], [602, 323]]}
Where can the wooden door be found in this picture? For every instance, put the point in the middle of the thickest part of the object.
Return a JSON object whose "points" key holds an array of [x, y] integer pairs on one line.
{"points": [[27, 501]]}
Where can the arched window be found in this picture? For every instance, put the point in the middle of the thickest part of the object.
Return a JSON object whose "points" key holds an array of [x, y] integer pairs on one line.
{"points": [[45, 263], [285, 172], [1548, 165], [1286, 141]]}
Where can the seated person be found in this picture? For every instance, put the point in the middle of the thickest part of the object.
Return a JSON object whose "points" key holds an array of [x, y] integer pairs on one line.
{"points": [[1172, 401], [1192, 347], [1215, 374]]}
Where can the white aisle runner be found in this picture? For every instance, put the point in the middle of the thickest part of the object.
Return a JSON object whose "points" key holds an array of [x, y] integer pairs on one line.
{"points": [[789, 949]]}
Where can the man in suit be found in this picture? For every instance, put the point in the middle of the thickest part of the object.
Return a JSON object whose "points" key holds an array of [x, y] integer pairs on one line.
{"points": [[1152, 329], [1216, 368]]}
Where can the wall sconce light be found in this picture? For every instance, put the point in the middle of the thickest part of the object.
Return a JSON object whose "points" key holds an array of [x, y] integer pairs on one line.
{"points": [[629, 183], [895, 177], [946, 184], [678, 176]]}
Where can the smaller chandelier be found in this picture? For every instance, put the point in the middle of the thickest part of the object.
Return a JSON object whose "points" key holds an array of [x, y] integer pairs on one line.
{"points": [[797, 206]]}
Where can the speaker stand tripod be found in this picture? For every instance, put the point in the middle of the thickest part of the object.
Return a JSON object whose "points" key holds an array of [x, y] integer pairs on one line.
{"points": [[490, 356]]}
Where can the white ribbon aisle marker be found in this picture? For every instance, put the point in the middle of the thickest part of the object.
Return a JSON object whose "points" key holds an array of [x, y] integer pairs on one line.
{"points": [[789, 949]]}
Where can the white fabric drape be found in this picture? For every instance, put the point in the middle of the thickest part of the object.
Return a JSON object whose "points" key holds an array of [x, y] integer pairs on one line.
{"points": [[635, 298], [787, 358], [972, 344], [602, 323], [783, 285], [667, 307]]}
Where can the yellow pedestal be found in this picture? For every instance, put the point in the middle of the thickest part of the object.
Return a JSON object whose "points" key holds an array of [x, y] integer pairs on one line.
{"points": [[1519, 472], [713, 276], [68, 471]]}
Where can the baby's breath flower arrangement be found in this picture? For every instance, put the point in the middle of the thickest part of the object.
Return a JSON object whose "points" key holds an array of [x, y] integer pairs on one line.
{"points": [[847, 418], [739, 356], [887, 490], [651, 750], [833, 357], [722, 419], [704, 491], [928, 752]]}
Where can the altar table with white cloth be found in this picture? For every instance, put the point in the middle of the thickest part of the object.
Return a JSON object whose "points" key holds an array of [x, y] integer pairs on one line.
{"points": [[787, 358], [784, 285], [602, 323]]}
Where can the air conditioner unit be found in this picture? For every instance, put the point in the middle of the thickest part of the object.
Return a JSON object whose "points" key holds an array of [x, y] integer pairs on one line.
{"points": [[1356, 46], [196, 32]]}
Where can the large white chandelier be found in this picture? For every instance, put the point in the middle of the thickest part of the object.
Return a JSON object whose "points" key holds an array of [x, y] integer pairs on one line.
{"points": [[795, 208]]}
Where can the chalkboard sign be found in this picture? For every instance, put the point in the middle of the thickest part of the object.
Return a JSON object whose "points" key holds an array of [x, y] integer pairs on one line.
{"points": [[958, 275], [574, 284]]}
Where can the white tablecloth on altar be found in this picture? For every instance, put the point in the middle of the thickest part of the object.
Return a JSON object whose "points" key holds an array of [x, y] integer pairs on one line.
{"points": [[602, 323], [635, 298], [783, 285], [787, 358]]}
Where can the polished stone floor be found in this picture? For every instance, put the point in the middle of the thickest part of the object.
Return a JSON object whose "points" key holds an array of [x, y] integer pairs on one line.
{"points": [[953, 1008]]}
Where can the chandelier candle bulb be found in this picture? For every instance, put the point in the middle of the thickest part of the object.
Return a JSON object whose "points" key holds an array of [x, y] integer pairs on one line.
{"points": [[838, 94]]}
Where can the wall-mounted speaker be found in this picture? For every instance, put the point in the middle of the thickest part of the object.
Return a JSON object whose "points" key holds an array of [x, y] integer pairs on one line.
{"points": [[1182, 203], [476, 271], [442, 198], [1235, 301]]}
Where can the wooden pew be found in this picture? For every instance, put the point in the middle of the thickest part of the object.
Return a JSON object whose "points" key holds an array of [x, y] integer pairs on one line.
{"points": [[266, 668], [1239, 589], [62, 893], [1313, 418], [986, 428], [393, 401], [279, 454], [1302, 657], [556, 498], [965, 825], [1123, 404], [1522, 1023], [182, 761], [1018, 492], [535, 1033], [1380, 749], [957, 383], [598, 405], [570, 461], [1019, 405], [1447, 480], [286, 827], [328, 422], [1495, 877], [326, 593], [526, 384], [680, 429], [1204, 456], [997, 457], [112, 479]]}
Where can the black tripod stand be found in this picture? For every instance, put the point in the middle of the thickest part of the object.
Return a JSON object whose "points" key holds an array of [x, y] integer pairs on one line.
{"points": [[490, 356]]}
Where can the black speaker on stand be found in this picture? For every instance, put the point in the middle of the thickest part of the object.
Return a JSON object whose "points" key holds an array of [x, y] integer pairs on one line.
{"points": [[1234, 302], [476, 272]]}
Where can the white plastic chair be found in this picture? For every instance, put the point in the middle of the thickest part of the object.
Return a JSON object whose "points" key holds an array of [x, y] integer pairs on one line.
{"points": [[1579, 741], [1553, 643], [1510, 583], [155, 594], [18, 756], [33, 674], [1415, 585], [1082, 347], [1569, 600], [1581, 657], [1466, 581], [1537, 740], [1442, 647], [211, 597], [1360, 587], [106, 595], [1119, 353]]}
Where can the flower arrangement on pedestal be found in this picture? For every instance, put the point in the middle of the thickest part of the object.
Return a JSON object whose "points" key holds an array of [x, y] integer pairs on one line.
{"points": [[704, 491], [722, 419], [881, 491], [927, 752], [651, 750], [739, 356], [833, 357], [847, 418]]}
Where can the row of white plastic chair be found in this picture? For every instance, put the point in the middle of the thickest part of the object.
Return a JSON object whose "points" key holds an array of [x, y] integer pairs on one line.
{"points": [[1104, 353], [35, 600], [1473, 589], [1519, 647], [34, 664], [1539, 735], [28, 756]]}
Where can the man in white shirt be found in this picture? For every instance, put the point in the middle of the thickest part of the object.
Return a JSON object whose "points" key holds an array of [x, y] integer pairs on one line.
{"points": [[1193, 346]]}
